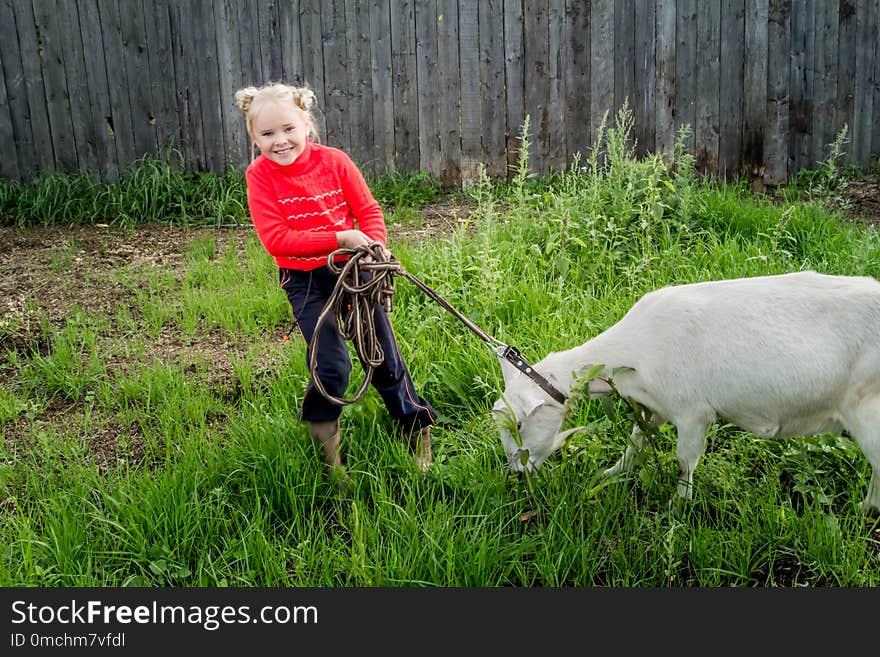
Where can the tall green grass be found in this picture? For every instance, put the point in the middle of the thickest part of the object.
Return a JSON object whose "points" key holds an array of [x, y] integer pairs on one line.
{"points": [[209, 478]]}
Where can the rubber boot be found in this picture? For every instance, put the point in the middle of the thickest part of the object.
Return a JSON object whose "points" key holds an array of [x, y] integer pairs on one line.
{"points": [[326, 434], [420, 442]]}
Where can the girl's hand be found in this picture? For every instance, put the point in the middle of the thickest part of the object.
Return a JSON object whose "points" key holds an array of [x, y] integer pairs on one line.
{"points": [[355, 239]]}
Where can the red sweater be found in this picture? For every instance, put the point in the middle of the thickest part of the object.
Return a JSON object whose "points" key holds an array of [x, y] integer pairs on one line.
{"points": [[297, 209]]}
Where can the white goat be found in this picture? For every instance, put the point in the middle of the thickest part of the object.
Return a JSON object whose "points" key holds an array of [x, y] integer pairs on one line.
{"points": [[789, 355]]}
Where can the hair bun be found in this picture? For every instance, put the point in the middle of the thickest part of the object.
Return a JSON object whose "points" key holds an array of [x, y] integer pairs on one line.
{"points": [[244, 97], [304, 98]]}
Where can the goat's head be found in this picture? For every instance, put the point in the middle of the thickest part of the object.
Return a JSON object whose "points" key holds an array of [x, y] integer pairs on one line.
{"points": [[528, 420]]}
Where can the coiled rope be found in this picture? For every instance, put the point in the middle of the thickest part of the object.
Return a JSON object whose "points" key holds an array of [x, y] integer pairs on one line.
{"points": [[351, 302]]}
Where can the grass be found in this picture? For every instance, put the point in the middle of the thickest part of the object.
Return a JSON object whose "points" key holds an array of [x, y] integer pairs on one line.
{"points": [[126, 465]]}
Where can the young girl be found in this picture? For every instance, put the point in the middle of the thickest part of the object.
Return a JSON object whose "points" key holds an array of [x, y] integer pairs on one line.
{"points": [[307, 200]]}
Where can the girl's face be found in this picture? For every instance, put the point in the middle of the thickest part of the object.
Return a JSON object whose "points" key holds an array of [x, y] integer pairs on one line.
{"points": [[280, 132]]}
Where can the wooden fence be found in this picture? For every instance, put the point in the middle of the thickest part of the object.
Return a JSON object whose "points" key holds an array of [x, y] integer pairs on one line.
{"points": [[440, 85]]}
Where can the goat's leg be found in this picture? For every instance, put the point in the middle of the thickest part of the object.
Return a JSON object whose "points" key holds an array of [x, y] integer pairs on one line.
{"points": [[636, 443], [863, 423], [688, 449]]}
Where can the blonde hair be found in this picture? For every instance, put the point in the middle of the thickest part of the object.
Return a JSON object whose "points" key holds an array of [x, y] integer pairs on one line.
{"points": [[250, 100]]}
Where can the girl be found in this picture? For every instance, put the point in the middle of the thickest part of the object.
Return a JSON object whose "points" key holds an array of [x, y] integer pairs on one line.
{"points": [[307, 200]]}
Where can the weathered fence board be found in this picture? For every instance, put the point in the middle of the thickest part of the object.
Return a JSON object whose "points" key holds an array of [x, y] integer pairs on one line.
{"points": [[708, 120], [755, 88], [824, 81], [863, 94], [492, 93], [381, 87], [33, 86], [802, 76], [846, 68], [645, 75], [449, 67], [778, 91], [577, 79], [664, 99], [601, 65], [514, 76], [440, 86], [20, 150], [685, 70], [537, 85], [406, 101], [732, 69]]}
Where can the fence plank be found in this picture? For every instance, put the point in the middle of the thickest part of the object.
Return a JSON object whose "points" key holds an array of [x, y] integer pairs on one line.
{"points": [[645, 75], [624, 56], [188, 72], [290, 42], [577, 80], [44, 155], [406, 82], [21, 149], [778, 74], [8, 156], [252, 70], [685, 70], [664, 99], [55, 85], [863, 101], [359, 114], [537, 86], [708, 125], [270, 39], [208, 85], [161, 64], [230, 79], [336, 84], [82, 115], [100, 112], [731, 90], [824, 125], [875, 122], [313, 60], [449, 67], [493, 117], [755, 92], [118, 84], [382, 85], [471, 103], [557, 157], [846, 69], [514, 77], [601, 66], [801, 107], [137, 73], [430, 94]]}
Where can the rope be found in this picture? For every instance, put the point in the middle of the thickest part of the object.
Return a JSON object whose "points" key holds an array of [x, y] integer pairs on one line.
{"points": [[352, 302]]}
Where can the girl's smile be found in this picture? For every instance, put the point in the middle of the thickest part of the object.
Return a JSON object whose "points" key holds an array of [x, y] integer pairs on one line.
{"points": [[280, 132]]}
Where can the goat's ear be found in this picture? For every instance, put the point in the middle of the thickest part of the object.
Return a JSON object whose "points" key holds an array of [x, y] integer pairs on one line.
{"points": [[532, 405], [508, 371]]}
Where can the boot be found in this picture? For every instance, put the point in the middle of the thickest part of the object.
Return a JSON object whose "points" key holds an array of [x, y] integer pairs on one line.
{"points": [[326, 434], [420, 442]]}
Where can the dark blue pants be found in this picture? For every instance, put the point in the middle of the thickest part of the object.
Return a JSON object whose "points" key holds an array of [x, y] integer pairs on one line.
{"points": [[308, 292]]}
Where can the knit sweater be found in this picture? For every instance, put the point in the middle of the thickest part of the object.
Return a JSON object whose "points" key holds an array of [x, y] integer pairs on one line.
{"points": [[297, 209]]}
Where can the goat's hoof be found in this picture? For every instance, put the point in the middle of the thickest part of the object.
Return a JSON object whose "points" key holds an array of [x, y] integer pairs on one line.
{"points": [[677, 507]]}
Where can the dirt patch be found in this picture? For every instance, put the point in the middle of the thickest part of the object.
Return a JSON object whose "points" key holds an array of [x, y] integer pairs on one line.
{"points": [[860, 199]]}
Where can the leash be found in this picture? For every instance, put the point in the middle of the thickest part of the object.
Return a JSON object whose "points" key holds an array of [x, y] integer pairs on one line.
{"points": [[352, 301]]}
